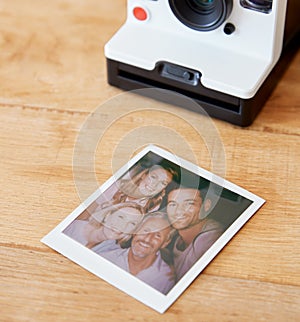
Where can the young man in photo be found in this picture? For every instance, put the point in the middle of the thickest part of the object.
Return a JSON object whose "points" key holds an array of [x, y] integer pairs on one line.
{"points": [[143, 258], [187, 209]]}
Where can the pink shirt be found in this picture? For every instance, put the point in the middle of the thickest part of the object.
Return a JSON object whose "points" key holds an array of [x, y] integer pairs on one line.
{"points": [[185, 259], [159, 275]]}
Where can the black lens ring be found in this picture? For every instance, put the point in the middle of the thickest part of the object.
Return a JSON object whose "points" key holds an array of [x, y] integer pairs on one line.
{"points": [[203, 20]]}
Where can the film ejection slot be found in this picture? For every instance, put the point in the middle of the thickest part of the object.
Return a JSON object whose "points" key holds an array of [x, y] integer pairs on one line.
{"points": [[180, 74]]}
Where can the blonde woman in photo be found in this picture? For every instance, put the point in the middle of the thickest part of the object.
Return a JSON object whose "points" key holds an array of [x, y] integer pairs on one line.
{"points": [[106, 227]]}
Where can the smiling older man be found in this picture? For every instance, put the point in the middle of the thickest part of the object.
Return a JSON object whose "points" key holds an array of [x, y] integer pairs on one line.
{"points": [[143, 258]]}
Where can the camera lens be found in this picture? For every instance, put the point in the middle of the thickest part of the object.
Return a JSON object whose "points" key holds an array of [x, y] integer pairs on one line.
{"points": [[203, 15], [203, 2], [259, 5], [201, 5]]}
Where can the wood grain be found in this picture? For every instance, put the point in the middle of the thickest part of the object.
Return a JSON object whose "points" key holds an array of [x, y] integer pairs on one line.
{"points": [[52, 76]]}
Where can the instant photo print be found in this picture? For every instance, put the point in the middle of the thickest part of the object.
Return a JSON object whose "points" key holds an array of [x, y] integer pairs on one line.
{"points": [[227, 55], [132, 232]]}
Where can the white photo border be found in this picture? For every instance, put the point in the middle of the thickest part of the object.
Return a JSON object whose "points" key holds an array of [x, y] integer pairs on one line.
{"points": [[123, 280]]}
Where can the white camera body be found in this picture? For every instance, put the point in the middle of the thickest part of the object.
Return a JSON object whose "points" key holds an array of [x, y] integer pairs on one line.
{"points": [[234, 58]]}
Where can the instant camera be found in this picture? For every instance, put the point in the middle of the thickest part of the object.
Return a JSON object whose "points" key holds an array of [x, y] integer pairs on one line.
{"points": [[227, 55]]}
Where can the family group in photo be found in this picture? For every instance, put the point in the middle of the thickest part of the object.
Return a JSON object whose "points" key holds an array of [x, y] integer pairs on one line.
{"points": [[150, 224]]}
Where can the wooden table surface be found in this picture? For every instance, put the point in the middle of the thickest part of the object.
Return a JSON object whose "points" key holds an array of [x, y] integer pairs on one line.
{"points": [[53, 75]]}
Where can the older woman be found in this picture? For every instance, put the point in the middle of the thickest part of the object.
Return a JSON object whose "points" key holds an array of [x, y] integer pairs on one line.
{"points": [[106, 226]]}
